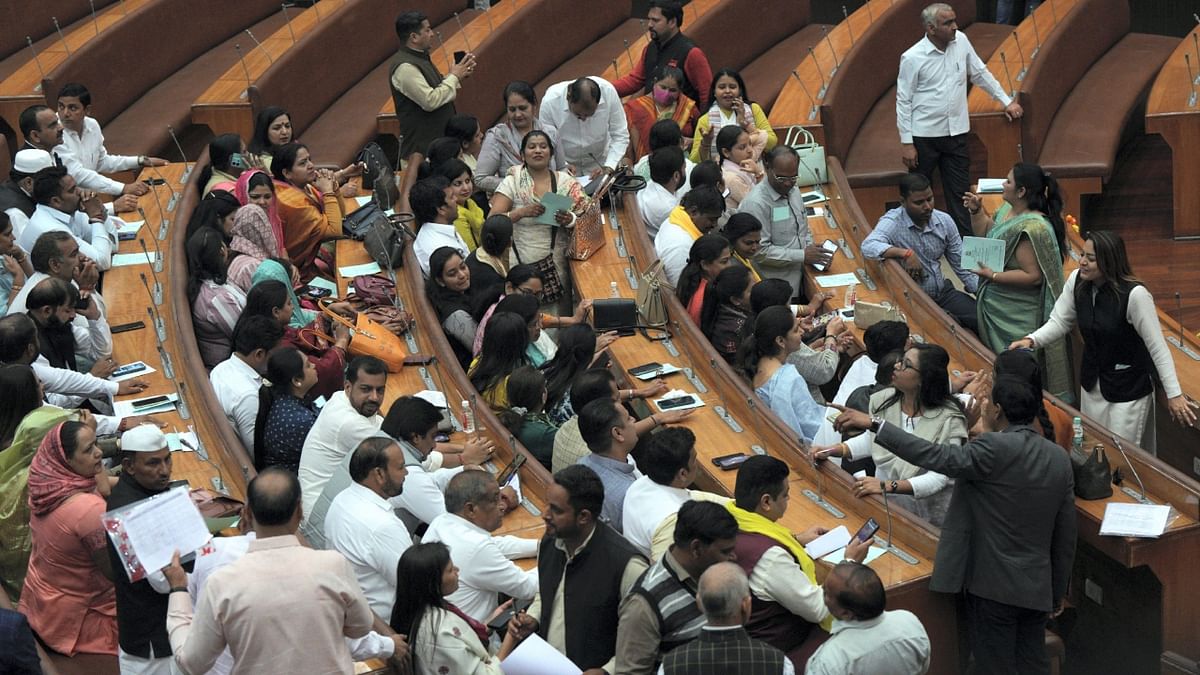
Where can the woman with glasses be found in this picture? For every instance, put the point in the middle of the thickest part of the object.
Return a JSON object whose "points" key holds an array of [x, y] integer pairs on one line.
{"points": [[526, 280], [919, 401]]}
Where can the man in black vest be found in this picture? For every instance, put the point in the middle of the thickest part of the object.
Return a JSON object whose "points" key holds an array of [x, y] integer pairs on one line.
{"points": [[724, 646], [424, 98], [584, 569], [660, 612], [669, 47]]}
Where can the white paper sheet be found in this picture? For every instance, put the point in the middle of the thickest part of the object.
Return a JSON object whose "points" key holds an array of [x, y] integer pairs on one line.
{"points": [[159, 526], [359, 270], [677, 393], [125, 408], [985, 251], [436, 398], [321, 282], [829, 542], [667, 369], [535, 656], [130, 227], [126, 259], [1134, 520], [840, 555], [991, 185], [836, 280], [813, 197]]}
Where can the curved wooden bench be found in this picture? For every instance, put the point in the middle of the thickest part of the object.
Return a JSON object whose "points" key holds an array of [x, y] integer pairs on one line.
{"points": [[766, 75], [21, 20], [596, 57], [1173, 111], [134, 122], [692, 13]]}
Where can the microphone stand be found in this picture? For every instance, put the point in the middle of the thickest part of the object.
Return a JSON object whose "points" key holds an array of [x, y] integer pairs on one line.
{"points": [[891, 546]]}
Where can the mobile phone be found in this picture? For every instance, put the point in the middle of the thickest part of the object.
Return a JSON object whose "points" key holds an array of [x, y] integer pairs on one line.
{"points": [[154, 181], [418, 359], [867, 531], [317, 292], [82, 303], [500, 623], [125, 327], [149, 402], [178, 483], [678, 402], [129, 368], [459, 56], [831, 246], [509, 471], [730, 462], [645, 369]]}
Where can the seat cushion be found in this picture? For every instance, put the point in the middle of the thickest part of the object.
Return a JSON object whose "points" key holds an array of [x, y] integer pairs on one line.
{"points": [[766, 75], [1086, 132], [987, 37], [337, 135]]}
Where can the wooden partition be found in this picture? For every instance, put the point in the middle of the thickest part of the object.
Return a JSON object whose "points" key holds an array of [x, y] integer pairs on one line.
{"points": [[22, 19], [1173, 111], [692, 13]]}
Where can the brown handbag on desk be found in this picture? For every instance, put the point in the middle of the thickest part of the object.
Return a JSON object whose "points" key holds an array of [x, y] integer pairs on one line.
{"points": [[587, 236]]}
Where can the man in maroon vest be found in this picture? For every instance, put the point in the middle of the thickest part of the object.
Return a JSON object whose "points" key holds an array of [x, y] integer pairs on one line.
{"points": [[786, 602]]}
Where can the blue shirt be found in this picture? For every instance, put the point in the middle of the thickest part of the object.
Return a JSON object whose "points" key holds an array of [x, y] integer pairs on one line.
{"points": [[287, 426], [617, 476], [939, 238]]}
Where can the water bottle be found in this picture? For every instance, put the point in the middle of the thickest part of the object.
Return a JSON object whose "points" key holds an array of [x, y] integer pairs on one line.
{"points": [[468, 417], [851, 296], [613, 292], [1077, 435]]}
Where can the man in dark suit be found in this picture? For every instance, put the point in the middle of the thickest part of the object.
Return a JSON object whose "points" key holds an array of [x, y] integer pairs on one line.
{"points": [[1008, 540], [723, 646]]}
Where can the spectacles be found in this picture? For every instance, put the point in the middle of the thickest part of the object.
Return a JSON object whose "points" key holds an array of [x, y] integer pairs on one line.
{"points": [[526, 291], [785, 179], [905, 364]]}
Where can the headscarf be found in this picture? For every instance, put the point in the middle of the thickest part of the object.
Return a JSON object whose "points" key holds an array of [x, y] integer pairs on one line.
{"points": [[271, 270], [243, 196], [252, 233], [51, 479]]}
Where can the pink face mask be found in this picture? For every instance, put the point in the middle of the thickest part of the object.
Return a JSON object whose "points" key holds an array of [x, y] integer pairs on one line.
{"points": [[663, 97]]}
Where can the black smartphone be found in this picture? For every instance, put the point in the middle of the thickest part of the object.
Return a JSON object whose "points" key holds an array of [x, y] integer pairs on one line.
{"points": [[831, 246], [867, 531], [82, 304], [730, 462], [151, 401], [154, 181], [418, 359], [129, 369], [317, 292], [645, 369], [500, 623], [126, 327], [509, 471], [459, 56], [678, 402]]}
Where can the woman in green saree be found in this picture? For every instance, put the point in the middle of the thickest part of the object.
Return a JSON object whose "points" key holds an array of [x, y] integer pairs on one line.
{"points": [[1018, 299], [28, 421]]}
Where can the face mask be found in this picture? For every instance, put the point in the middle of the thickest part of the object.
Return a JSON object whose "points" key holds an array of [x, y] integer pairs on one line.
{"points": [[663, 97], [237, 161]]}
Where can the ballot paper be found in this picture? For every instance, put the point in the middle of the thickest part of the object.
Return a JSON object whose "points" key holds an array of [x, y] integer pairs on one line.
{"points": [[554, 203], [991, 186], [983, 252], [126, 259], [147, 533], [535, 656], [836, 280], [827, 543], [359, 270], [1134, 520]]}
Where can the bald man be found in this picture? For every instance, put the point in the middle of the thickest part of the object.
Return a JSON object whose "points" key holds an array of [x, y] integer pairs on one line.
{"points": [[865, 639]]}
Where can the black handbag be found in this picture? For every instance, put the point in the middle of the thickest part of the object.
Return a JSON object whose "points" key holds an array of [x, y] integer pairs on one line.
{"points": [[1093, 475], [378, 175], [385, 240]]}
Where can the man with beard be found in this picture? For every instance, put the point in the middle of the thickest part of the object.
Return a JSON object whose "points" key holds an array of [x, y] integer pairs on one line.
{"points": [[919, 236], [363, 526], [49, 305], [669, 47]]}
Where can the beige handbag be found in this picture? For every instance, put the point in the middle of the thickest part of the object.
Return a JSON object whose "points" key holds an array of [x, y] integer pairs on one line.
{"points": [[650, 302], [867, 314]]}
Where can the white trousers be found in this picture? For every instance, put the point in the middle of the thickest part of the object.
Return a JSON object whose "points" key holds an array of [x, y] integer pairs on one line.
{"points": [[1130, 420], [136, 665]]}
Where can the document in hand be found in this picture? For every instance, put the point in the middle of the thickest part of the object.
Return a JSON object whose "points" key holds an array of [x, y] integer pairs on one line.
{"points": [[829, 542], [535, 656], [147, 533], [989, 186], [983, 250], [554, 203]]}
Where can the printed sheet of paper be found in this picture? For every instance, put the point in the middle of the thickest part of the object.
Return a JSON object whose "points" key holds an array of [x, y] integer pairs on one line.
{"points": [[1134, 520], [535, 656], [126, 259], [840, 555], [989, 186], [554, 203], [836, 280], [977, 250], [829, 542], [159, 526], [360, 270]]}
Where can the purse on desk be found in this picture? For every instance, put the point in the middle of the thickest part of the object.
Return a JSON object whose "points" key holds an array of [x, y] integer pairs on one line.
{"points": [[368, 338], [813, 169], [650, 303], [867, 314], [1093, 475]]}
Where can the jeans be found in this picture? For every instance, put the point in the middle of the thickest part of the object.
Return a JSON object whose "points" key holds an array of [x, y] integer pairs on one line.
{"points": [[958, 305]]}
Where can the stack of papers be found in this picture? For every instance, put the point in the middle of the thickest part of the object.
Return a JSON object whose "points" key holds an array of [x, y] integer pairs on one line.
{"points": [[1135, 520], [554, 202], [983, 252], [836, 280], [829, 542], [991, 186]]}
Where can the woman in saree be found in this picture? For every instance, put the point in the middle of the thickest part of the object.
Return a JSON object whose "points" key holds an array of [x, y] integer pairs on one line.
{"points": [[257, 231], [310, 208], [762, 357], [501, 149], [1017, 300], [664, 102]]}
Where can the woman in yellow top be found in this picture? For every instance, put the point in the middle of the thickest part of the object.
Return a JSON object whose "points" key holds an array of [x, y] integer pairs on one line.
{"points": [[469, 222], [505, 341], [310, 209], [731, 104]]}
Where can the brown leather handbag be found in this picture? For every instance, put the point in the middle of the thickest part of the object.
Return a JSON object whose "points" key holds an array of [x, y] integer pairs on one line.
{"points": [[368, 338]]}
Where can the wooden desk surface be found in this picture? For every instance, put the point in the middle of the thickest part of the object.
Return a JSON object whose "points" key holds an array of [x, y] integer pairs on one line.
{"points": [[477, 27], [802, 104], [225, 106], [626, 62], [1172, 111], [127, 302]]}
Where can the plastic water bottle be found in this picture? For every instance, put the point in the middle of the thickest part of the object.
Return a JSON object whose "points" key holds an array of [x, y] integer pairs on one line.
{"points": [[1077, 435], [851, 296], [613, 291], [468, 417]]}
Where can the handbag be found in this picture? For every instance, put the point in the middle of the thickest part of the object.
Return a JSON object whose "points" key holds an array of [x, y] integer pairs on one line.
{"points": [[867, 314], [376, 174], [812, 168], [1093, 475], [587, 236], [374, 290], [650, 304], [368, 338], [385, 242]]}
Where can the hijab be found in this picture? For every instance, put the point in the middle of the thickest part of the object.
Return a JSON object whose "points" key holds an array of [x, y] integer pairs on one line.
{"points": [[270, 270], [242, 191]]}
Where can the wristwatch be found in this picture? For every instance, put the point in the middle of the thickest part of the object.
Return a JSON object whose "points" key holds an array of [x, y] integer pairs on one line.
{"points": [[876, 422]]}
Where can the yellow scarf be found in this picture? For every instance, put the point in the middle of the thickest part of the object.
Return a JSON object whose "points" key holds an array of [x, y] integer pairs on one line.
{"points": [[684, 221], [754, 275], [752, 523]]}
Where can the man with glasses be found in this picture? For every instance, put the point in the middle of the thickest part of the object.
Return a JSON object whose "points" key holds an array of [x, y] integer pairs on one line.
{"points": [[787, 241]]}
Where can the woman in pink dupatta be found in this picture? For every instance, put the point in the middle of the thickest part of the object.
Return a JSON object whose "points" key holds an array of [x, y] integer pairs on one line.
{"points": [[257, 230]]}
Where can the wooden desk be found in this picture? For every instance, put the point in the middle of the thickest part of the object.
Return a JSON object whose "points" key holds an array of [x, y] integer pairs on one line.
{"points": [[907, 583], [225, 106], [24, 87], [1002, 138], [1173, 111], [1163, 483], [477, 27]]}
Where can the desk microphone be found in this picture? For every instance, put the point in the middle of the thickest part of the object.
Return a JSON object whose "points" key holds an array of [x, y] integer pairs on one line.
{"points": [[832, 51], [164, 221], [156, 264], [242, 58], [812, 112], [487, 14], [95, 24], [160, 328], [174, 195], [1196, 48], [870, 17], [824, 84], [182, 156], [1037, 38], [629, 55], [616, 68], [1054, 14], [260, 46], [1191, 76], [1179, 310], [168, 367], [61, 39], [1021, 55], [849, 28], [891, 545], [156, 294], [445, 53], [287, 20], [180, 391], [1007, 75], [36, 60], [1142, 496], [462, 31], [200, 451]]}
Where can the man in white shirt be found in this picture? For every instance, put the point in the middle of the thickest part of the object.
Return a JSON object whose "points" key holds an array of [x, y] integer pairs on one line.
{"points": [[696, 215], [362, 525], [433, 206], [665, 134], [865, 639], [82, 149], [42, 130], [59, 203], [587, 122], [237, 379], [484, 562], [413, 422], [659, 197], [350, 416], [931, 105], [16, 195]]}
